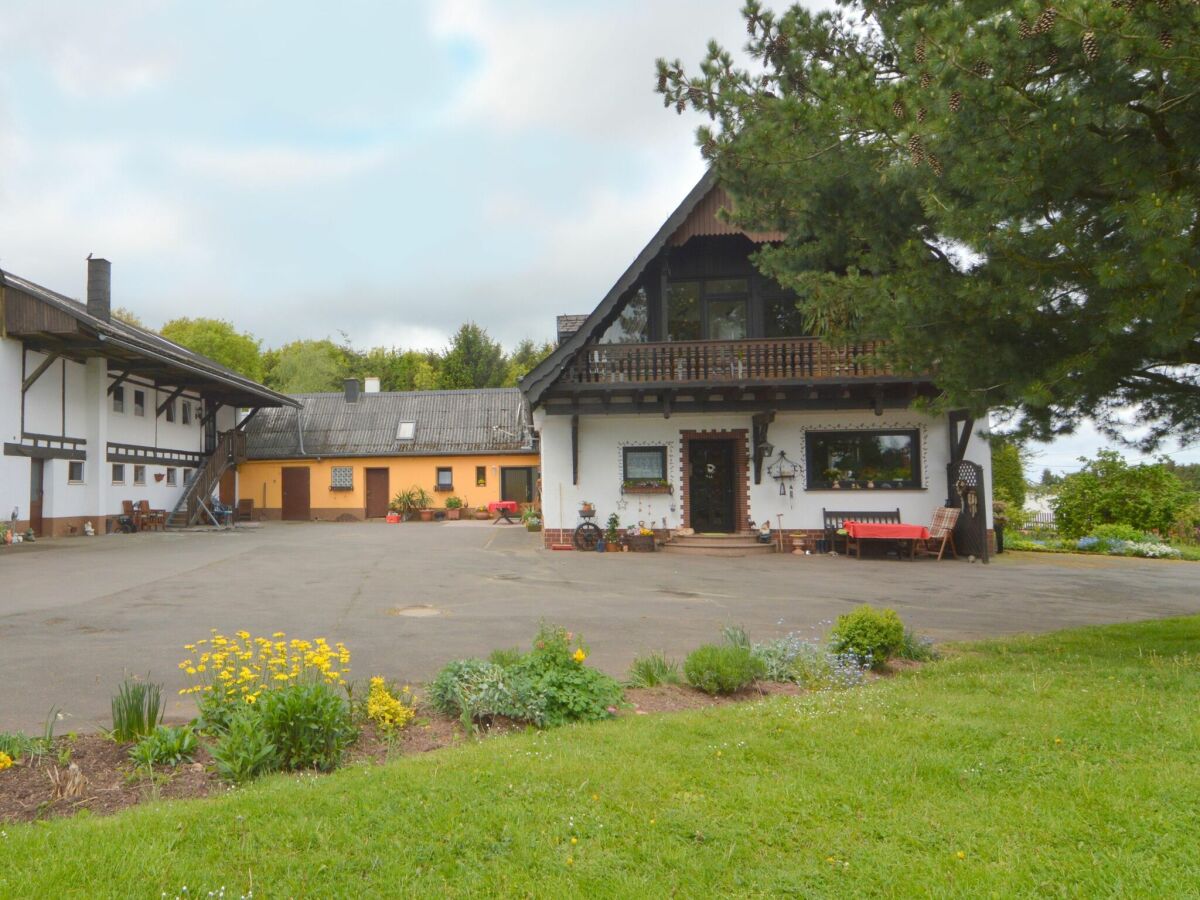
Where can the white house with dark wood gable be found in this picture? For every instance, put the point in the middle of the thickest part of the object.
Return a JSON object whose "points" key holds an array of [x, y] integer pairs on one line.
{"points": [[95, 412], [692, 398]]}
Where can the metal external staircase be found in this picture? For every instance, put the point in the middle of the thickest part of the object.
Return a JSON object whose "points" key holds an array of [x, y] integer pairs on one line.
{"points": [[195, 504]]}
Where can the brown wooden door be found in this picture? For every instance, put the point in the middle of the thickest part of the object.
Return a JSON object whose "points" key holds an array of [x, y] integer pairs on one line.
{"points": [[227, 488], [377, 493], [37, 468], [295, 505], [710, 486]]}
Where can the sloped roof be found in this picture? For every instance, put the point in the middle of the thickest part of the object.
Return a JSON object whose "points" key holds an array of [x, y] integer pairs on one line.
{"points": [[546, 373], [492, 420], [129, 339]]}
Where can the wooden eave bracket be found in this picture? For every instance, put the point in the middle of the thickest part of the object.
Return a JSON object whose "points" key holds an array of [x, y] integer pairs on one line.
{"points": [[171, 398], [38, 372]]}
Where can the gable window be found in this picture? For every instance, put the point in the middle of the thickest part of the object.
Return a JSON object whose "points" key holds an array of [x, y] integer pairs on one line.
{"points": [[481, 476], [632, 326], [864, 459], [75, 472], [445, 479], [139, 403], [139, 474], [406, 431], [118, 400], [172, 478], [185, 413], [169, 411], [341, 478], [644, 465], [118, 473], [715, 309]]}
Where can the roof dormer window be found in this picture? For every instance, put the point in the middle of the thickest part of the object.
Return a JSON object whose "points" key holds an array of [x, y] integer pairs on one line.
{"points": [[406, 431]]}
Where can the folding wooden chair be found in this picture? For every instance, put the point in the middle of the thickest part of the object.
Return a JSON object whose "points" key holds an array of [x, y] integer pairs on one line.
{"points": [[941, 532]]}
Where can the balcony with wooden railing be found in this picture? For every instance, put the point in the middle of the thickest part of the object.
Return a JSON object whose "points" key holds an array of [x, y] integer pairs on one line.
{"points": [[762, 360]]}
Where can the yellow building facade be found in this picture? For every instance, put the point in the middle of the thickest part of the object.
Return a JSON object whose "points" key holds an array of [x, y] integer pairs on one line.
{"points": [[477, 480]]}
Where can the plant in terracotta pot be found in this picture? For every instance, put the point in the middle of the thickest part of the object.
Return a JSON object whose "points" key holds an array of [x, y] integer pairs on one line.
{"points": [[482, 514], [413, 502], [530, 519], [454, 507]]}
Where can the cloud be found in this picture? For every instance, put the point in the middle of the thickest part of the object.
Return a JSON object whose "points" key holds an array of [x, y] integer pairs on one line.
{"points": [[280, 166], [93, 49], [587, 70]]}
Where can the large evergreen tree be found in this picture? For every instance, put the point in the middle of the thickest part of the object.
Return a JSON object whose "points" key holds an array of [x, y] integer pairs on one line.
{"points": [[1008, 192], [474, 360]]}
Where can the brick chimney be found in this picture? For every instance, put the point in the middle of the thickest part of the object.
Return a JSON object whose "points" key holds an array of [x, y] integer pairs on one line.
{"points": [[350, 385], [99, 289]]}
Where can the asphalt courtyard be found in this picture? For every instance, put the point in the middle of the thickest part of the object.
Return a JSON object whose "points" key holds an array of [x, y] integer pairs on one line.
{"points": [[77, 615]]}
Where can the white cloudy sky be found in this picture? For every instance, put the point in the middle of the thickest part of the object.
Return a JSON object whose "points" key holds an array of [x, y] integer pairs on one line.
{"points": [[383, 169]]}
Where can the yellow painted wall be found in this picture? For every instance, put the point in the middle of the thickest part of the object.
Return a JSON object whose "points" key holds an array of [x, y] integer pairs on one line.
{"points": [[261, 480]]}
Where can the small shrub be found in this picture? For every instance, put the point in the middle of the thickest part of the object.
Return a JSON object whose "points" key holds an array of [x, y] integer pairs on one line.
{"points": [[872, 635], [165, 746], [309, 724], [559, 687], [458, 686], [244, 751], [652, 670], [1152, 550], [916, 647], [1119, 533], [735, 636], [390, 710], [136, 709], [722, 669], [505, 658], [780, 657]]}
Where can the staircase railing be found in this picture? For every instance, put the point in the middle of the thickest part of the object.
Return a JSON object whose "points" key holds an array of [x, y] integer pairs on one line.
{"points": [[195, 501]]}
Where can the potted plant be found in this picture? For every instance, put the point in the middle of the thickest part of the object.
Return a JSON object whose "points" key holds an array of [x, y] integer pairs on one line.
{"points": [[454, 507], [587, 509], [530, 519], [412, 502], [832, 475], [612, 533], [645, 486], [482, 514]]}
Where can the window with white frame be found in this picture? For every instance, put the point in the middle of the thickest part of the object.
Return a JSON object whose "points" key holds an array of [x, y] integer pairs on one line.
{"points": [[646, 465], [139, 474], [445, 479], [406, 431], [75, 471], [172, 477], [118, 473]]}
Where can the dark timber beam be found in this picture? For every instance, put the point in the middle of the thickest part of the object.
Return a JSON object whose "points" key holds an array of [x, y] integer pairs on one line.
{"points": [[171, 398], [38, 372], [962, 423], [574, 449], [212, 411], [119, 380], [241, 426]]}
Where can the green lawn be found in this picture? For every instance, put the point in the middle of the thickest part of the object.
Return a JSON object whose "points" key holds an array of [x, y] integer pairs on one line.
{"points": [[1066, 765]]}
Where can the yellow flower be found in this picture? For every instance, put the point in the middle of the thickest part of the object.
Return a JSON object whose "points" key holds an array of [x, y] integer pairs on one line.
{"points": [[579, 656], [961, 855], [191, 670], [6, 761]]}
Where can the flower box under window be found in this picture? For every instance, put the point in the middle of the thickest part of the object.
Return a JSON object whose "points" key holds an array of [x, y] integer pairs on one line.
{"points": [[645, 486]]}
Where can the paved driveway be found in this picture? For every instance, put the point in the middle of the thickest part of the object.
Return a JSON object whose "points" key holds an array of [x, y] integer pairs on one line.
{"points": [[77, 614]]}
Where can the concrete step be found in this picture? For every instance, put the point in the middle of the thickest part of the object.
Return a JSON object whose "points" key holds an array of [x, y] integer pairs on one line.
{"points": [[728, 549], [716, 540]]}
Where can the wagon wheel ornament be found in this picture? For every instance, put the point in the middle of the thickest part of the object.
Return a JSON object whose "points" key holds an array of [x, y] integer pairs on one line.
{"points": [[587, 536]]}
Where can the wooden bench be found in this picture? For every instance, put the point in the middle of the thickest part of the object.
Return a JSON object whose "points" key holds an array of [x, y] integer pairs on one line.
{"points": [[834, 519]]}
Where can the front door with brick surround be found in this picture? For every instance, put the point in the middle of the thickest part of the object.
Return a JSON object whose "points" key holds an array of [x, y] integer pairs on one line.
{"points": [[715, 487]]}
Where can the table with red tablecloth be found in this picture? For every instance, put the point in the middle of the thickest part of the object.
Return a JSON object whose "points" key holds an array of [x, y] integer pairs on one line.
{"points": [[888, 531], [503, 510]]}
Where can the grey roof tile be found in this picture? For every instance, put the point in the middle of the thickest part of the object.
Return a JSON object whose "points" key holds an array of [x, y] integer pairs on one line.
{"points": [[492, 420]]}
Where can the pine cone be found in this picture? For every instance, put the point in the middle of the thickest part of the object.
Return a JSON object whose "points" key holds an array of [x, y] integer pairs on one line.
{"points": [[936, 165], [1045, 21], [1090, 48], [956, 101], [1052, 58], [915, 151], [983, 69], [1023, 30], [1030, 69], [1164, 38], [926, 80], [898, 109], [920, 51], [921, 114]]}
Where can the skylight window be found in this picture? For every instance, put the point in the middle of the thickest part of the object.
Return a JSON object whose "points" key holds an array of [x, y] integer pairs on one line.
{"points": [[406, 431]]}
